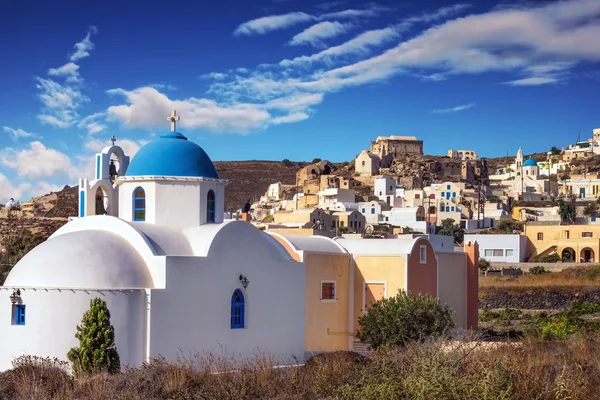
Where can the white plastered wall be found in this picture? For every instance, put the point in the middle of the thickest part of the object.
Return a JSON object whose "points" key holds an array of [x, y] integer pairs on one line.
{"points": [[52, 316], [194, 312], [176, 203]]}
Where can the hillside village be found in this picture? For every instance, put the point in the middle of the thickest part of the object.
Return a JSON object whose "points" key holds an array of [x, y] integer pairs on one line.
{"points": [[392, 189]]}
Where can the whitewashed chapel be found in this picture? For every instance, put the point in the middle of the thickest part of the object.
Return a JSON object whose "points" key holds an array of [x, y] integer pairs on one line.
{"points": [[177, 278]]}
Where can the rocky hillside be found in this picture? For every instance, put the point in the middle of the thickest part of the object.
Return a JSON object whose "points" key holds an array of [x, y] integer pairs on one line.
{"points": [[251, 179]]}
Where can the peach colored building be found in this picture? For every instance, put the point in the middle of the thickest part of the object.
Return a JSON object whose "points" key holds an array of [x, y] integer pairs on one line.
{"points": [[344, 276]]}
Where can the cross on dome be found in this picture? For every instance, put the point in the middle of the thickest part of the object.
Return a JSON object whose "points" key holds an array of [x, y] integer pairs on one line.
{"points": [[173, 118], [113, 139]]}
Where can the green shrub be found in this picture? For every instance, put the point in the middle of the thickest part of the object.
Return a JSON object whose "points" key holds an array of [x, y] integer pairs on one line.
{"points": [[580, 308], [406, 317], [538, 270], [96, 351], [483, 264], [268, 218], [593, 273], [549, 258], [560, 327], [287, 163]]}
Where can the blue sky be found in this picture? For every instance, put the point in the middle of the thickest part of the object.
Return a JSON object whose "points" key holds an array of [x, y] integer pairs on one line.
{"points": [[275, 79]]}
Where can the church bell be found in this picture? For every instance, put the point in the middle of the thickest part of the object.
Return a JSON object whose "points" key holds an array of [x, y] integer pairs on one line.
{"points": [[112, 170]]}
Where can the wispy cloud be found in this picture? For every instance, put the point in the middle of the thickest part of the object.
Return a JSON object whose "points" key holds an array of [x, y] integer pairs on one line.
{"points": [[61, 101], [361, 45], [161, 86], [533, 81], [93, 123], [315, 34], [262, 25], [68, 71], [453, 109], [83, 48], [17, 133], [531, 44]]}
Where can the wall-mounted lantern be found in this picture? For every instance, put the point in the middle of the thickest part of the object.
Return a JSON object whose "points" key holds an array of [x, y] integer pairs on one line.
{"points": [[15, 296], [245, 281]]}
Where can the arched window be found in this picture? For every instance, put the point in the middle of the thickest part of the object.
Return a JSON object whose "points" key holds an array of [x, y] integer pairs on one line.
{"points": [[237, 310], [139, 204], [210, 207]]}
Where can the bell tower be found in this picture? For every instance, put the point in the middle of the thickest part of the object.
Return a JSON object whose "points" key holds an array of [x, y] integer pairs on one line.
{"points": [[100, 195]]}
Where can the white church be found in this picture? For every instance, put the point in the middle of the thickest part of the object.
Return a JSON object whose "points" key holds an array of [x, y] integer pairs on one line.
{"points": [[176, 276]]}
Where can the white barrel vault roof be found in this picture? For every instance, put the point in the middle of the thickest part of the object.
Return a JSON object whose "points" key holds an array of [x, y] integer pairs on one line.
{"points": [[389, 247], [82, 260]]}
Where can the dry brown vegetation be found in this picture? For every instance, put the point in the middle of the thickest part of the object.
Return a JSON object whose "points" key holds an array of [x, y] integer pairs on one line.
{"points": [[572, 279], [437, 370]]}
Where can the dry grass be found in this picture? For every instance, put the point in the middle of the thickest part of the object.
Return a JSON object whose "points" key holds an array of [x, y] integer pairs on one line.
{"points": [[572, 279], [436, 370]]}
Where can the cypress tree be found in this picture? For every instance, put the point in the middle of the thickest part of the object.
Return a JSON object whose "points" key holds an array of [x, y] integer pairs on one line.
{"points": [[97, 351]]}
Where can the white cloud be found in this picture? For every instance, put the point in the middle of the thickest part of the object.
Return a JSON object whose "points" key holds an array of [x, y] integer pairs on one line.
{"points": [[217, 76], [290, 118], [507, 40], [69, 71], [533, 81], [160, 86], [17, 133], [130, 147], [315, 34], [454, 109], [83, 48], [260, 26], [360, 45], [372, 11], [60, 102], [438, 14], [92, 124], [8, 189], [146, 107], [37, 161]]}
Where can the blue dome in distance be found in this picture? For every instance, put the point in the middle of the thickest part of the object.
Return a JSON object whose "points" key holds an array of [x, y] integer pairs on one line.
{"points": [[530, 163], [172, 155]]}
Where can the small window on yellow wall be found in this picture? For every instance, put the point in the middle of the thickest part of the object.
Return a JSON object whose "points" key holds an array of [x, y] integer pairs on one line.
{"points": [[327, 290], [540, 236], [423, 254]]}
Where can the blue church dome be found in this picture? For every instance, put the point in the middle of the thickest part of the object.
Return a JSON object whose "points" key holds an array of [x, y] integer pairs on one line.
{"points": [[530, 163], [172, 155]]}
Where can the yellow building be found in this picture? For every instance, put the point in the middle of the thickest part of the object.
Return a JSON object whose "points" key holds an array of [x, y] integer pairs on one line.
{"points": [[314, 216], [351, 221], [585, 188], [577, 243], [344, 276]]}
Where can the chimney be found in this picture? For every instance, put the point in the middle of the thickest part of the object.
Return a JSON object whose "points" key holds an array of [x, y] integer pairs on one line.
{"points": [[472, 252]]}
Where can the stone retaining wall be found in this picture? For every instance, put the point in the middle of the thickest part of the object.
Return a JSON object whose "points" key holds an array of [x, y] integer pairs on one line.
{"points": [[552, 267], [536, 300]]}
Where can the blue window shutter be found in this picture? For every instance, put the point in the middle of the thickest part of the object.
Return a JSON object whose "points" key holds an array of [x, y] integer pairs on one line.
{"points": [[139, 204], [20, 317], [237, 310]]}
